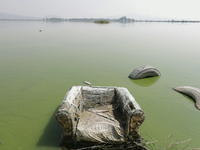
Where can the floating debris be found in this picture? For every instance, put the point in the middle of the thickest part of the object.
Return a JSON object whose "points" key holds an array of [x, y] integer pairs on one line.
{"points": [[144, 72], [193, 92], [86, 82], [90, 116]]}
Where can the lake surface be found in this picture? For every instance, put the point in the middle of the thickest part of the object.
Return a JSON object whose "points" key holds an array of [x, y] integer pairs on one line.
{"points": [[38, 68]]}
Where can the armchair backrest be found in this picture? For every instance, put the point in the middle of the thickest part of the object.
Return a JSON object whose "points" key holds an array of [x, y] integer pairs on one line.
{"points": [[97, 96]]}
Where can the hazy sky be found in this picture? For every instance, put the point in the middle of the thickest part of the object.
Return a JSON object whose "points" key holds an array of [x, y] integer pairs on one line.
{"points": [[175, 9]]}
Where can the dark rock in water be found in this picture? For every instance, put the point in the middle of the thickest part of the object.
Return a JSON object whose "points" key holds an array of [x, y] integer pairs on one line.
{"points": [[144, 72], [193, 92]]}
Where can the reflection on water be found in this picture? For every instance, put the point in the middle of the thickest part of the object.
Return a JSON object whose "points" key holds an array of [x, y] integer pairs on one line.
{"points": [[146, 81]]}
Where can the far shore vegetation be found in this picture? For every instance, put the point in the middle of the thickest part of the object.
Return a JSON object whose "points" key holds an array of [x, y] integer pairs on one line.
{"points": [[123, 19], [102, 21]]}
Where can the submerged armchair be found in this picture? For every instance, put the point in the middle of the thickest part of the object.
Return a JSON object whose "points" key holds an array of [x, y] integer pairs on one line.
{"points": [[99, 115]]}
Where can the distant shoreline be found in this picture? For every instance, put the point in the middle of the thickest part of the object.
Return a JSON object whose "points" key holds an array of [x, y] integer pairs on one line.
{"points": [[110, 20]]}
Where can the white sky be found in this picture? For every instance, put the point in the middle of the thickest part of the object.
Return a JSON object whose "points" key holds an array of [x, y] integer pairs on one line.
{"points": [[175, 9]]}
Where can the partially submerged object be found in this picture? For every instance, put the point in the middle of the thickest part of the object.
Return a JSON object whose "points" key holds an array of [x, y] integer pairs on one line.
{"points": [[144, 72], [99, 115], [88, 83], [193, 92]]}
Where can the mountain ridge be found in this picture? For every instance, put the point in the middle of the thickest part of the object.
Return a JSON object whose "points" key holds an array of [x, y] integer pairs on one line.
{"points": [[4, 15]]}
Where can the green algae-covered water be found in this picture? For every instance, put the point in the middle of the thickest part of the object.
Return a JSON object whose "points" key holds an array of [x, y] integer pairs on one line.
{"points": [[38, 68]]}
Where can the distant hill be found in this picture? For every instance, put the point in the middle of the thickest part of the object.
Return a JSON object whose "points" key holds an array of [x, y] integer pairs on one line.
{"points": [[12, 16], [52, 16], [138, 17]]}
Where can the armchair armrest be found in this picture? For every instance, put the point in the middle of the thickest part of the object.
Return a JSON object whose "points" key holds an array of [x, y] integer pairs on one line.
{"points": [[132, 112], [68, 113]]}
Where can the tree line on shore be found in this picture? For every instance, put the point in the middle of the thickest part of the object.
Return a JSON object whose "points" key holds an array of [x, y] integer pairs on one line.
{"points": [[123, 19]]}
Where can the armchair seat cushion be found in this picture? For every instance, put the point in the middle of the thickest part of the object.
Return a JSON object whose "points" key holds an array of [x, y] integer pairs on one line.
{"points": [[101, 125]]}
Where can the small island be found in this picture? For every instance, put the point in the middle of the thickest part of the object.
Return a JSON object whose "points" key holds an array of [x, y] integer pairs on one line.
{"points": [[102, 22]]}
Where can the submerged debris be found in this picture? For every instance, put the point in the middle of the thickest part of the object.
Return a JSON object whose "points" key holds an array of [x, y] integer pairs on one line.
{"points": [[93, 116], [27, 86], [193, 92], [144, 72]]}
